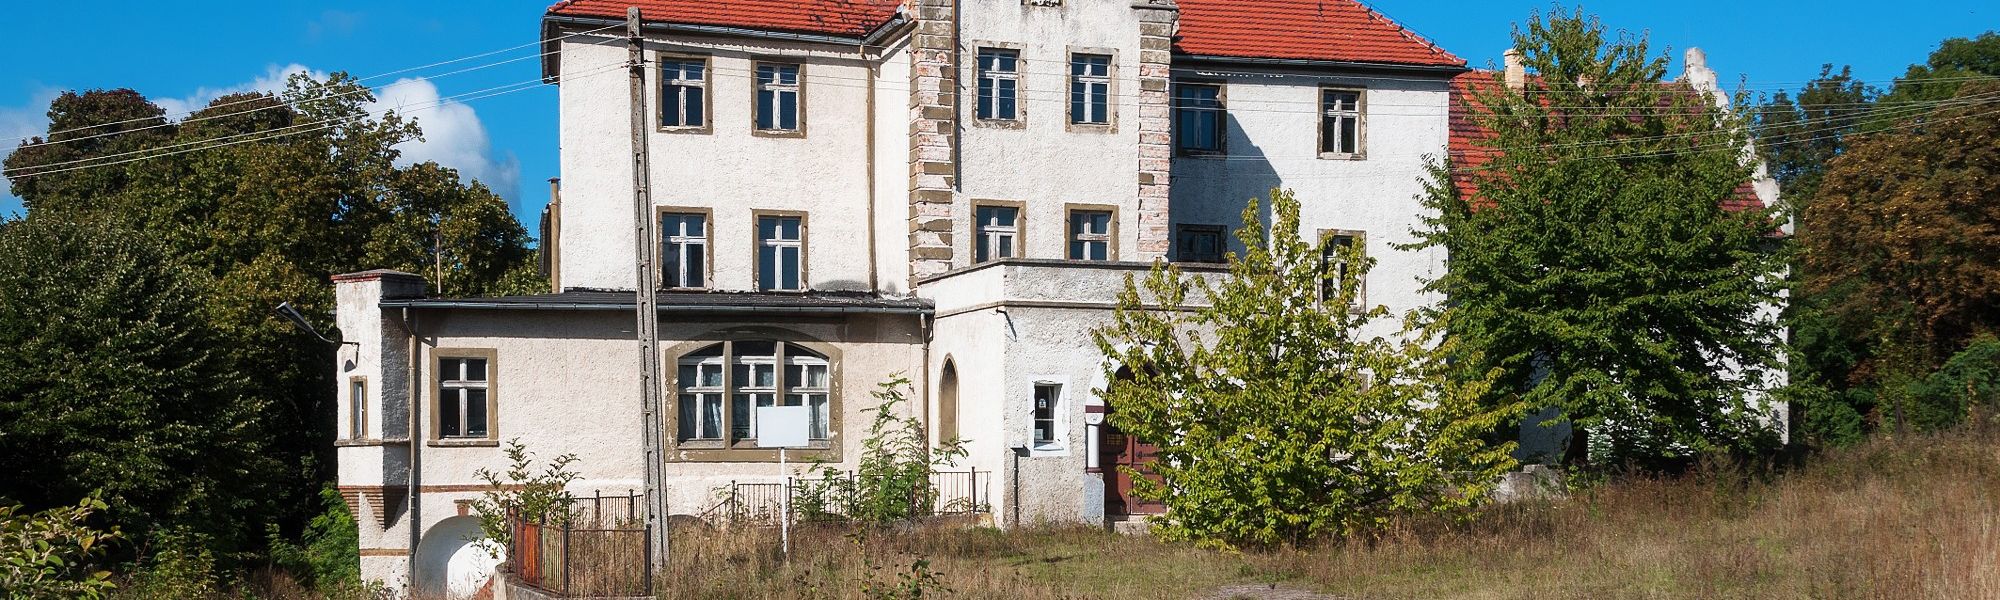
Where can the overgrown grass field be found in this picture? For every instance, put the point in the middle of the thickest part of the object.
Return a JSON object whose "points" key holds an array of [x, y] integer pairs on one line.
{"points": [[1917, 517]]}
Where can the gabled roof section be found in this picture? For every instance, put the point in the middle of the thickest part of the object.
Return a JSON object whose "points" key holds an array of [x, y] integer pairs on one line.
{"points": [[1471, 148], [1315, 30], [846, 18]]}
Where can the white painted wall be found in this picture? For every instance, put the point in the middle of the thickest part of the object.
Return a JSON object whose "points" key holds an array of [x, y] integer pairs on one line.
{"points": [[1045, 163], [728, 169], [1273, 143]]}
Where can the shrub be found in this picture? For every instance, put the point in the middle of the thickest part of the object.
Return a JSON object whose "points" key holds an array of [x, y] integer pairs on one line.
{"points": [[893, 481], [537, 497], [49, 554]]}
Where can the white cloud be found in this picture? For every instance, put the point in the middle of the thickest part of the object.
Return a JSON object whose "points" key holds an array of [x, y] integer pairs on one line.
{"points": [[272, 81], [16, 123], [453, 135]]}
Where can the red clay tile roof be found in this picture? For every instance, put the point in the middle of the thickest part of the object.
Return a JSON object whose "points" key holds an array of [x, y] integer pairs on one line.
{"points": [[1469, 151], [853, 18], [1332, 30]]}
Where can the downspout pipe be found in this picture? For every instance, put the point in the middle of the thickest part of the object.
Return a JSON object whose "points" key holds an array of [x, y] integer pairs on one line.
{"points": [[412, 499]]}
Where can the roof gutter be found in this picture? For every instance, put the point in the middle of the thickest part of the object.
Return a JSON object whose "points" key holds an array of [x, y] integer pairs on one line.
{"points": [[1306, 63], [611, 306]]}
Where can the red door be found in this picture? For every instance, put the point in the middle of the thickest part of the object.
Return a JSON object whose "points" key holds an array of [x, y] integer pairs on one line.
{"points": [[1116, 453]]}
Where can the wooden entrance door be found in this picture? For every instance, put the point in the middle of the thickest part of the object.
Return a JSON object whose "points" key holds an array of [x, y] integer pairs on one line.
{"points": [[1116, 452]]}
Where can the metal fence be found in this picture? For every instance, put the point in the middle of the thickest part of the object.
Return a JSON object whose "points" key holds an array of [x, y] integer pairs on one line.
{"points": [[827, 499], [600, 551]]}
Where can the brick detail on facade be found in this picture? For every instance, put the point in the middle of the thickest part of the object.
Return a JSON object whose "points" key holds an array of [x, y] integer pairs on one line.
{"points": [[933, 135], [1157, 19]]}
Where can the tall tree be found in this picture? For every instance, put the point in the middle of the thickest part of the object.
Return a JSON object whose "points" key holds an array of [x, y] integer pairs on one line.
{"points": [[1905, 247], [112, 381], [1276, 421], [267, 195], [1595, 263]]}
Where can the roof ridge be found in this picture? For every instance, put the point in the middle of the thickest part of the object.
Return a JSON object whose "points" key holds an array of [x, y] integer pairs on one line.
{"points": [[1407, 32]]}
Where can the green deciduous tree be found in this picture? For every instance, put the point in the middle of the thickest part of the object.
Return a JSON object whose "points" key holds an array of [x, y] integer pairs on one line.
{"points": [[1595, 263], [1277, 421], [316, 187], [1904, 250], [112, 380]]}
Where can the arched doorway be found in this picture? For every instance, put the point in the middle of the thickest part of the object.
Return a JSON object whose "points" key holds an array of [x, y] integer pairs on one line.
{"points": [[947, 417], [1118, 452], [455, 559]]}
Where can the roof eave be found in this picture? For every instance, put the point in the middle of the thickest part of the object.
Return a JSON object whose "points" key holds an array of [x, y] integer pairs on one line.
{"points": [[1319, 64], [469, 304]]}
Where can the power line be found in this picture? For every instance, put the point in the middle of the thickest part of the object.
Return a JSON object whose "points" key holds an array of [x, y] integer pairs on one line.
{"points": [[266, 135], [170, 121]]}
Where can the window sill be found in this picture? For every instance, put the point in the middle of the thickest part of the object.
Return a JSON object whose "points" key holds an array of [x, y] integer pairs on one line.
{"points": [[1093, 128], [1047, 451], [1016, 124], [779, 133], [1342, 156], [703, 130], [369, 442], [1210, 154], [463, 443]]}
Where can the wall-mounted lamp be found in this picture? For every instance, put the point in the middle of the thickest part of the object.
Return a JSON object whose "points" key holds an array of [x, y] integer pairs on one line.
{"points": [[286, 310]]}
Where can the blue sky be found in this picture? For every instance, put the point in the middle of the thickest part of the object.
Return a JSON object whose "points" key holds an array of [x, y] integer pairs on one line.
{"points": [[184, 57]]}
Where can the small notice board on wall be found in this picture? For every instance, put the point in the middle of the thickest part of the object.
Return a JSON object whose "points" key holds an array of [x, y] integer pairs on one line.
{"points": [[782, 426]]}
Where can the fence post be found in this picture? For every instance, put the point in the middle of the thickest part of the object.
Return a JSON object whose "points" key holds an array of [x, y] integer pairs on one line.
{"points": [[972, 492], [732, 502], [566, 564]]}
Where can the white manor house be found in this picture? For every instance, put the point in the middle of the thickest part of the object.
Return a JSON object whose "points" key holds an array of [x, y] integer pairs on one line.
{"points": [[845, 191]]}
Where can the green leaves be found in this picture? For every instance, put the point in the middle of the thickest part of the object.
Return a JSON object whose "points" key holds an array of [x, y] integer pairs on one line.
{"points": [[45, 554], [892, 481], [1276, 422], [1596, 267]]}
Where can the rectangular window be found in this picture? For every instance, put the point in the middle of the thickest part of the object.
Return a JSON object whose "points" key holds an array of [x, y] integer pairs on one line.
{"points": [[683, 92], [781, 253], [1048, 400], [778, 97], [1340, 122], [1090, 235], [463, 388], [684, 250], [999, 232], [999, 84], [806, 384], [1090, 89], [357, 409], [1198, 118], [1334, 265], [1199, 243], [701, 389]]}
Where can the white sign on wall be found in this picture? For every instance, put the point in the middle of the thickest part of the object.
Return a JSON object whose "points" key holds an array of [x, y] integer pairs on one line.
{"points": [[782, 426]]}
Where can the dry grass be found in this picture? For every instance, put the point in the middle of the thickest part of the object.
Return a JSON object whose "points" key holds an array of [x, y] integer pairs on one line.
{"points": [[1912, 518]]}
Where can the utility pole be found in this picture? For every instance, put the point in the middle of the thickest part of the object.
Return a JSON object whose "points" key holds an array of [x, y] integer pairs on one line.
{"points": [[649, 317]]}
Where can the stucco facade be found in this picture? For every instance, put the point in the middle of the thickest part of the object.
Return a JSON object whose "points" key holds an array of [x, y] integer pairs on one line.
{"points": [[880, 136]]}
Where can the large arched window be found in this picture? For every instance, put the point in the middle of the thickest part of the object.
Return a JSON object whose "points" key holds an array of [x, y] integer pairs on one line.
{"points": [[719, 387]]}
